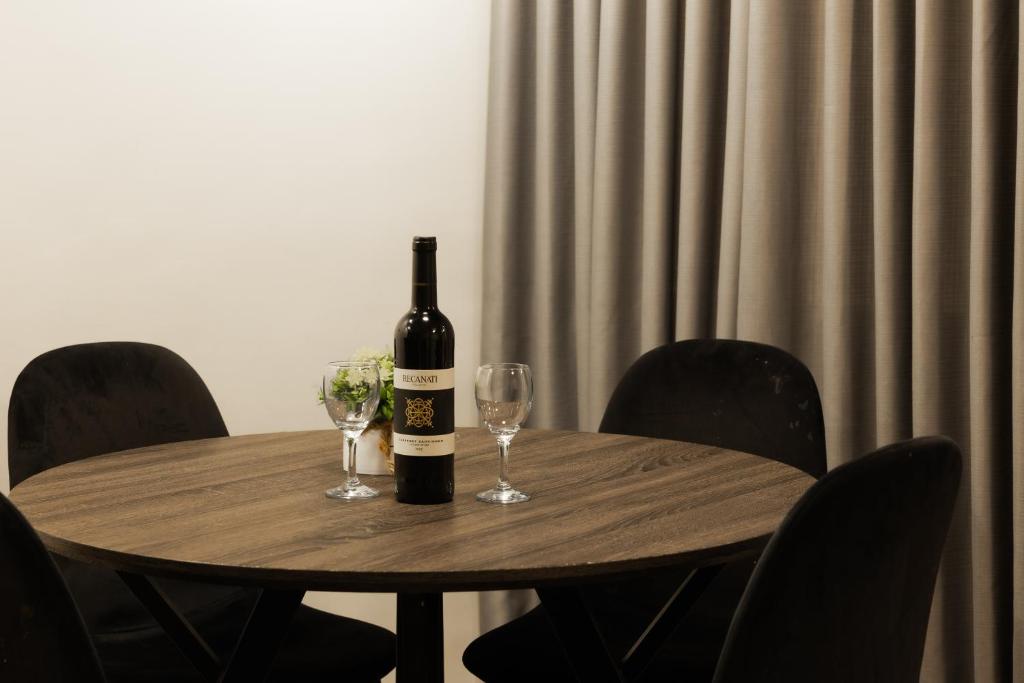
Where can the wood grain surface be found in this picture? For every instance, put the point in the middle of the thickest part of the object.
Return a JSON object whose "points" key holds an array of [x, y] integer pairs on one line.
{"points": [[251, 510]]}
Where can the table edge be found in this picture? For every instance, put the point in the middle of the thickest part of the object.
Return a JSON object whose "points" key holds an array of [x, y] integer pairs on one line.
{"points": [[399, 582], [393, 582]]}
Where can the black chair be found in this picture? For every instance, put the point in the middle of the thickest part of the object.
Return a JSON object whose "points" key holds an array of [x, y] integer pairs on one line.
{"points": [[735, 394], [843, 591], [42, 637], [84, 400]]}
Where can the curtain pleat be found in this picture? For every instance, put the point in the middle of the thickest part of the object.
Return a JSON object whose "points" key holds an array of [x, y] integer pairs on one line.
{"points": [[552, 180], [702, 133], [733, 173], [841, 179], [664, 32], [940, 227], [892, 181], [586, 21], [617, 236], [1016, 602], [993, 133], [847, 319], [780, 243]]}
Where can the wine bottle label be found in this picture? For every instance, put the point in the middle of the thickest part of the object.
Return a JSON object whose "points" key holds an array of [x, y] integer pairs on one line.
{"points": [[407, 444], [425, 380], [424, 420]]}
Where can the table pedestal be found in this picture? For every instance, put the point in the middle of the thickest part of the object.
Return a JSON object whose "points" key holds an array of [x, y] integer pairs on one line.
{"points": [[420, 626]]}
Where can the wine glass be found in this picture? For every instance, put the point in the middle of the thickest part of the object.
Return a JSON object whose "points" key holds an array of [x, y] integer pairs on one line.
{"points": [[351, 391], [504, 395]]}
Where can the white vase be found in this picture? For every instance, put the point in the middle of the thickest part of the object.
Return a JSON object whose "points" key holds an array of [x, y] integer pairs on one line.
{"points": [[373, 453]]}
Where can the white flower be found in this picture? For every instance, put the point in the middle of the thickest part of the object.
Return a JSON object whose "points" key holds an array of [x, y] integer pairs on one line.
{"points": [[383, 357]]}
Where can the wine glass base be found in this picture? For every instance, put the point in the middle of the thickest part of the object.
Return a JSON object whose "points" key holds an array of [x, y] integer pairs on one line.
{"points": [[354, 493], [502, 496]]}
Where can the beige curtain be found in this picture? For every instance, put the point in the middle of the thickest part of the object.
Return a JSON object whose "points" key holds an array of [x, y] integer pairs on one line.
{"points": [[842, 179]]}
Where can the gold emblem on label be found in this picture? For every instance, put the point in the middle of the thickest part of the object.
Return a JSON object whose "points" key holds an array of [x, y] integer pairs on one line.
{"points": [[419, 412]]}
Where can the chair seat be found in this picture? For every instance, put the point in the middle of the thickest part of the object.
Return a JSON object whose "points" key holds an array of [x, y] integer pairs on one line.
{"points": [[319, 646], [527, 647], [488, 657]]}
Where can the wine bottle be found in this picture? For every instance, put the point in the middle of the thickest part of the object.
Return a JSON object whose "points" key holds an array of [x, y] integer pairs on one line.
{"points": [[424, 421]]}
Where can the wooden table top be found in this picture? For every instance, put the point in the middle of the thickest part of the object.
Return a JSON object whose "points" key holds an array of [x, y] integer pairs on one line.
{"points": [[252, 510]]}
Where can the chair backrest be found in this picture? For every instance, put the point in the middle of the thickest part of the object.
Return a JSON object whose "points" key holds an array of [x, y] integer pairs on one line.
{"points": [[723, 392], [84, 400], [42, 637], [843, 590], [79, 401]]}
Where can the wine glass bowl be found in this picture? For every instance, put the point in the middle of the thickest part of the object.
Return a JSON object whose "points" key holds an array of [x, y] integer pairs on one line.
{"points": [[351, 392], [504, 396], [501, 416]]}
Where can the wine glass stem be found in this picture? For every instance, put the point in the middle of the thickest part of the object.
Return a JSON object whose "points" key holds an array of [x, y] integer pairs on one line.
{"points": [[350, 460], [503, 443]]}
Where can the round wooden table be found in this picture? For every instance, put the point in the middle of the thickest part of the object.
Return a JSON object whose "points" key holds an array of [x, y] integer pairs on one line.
{"points": [[251, 510]]}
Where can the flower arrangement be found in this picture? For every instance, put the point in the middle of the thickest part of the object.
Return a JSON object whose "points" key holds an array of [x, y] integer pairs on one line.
{"points": [[386, 360], [347, 387]]}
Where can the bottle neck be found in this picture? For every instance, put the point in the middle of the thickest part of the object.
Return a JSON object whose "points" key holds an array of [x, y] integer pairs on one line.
{"points": [[424, 279]]}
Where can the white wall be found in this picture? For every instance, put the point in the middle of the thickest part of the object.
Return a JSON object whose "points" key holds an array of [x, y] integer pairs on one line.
{"points": [[239, 181]]}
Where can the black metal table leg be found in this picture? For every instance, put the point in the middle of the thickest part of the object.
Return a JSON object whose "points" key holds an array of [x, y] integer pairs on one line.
{"points": [[420, 650], [578, 634], [665, 622], [262, 636], [181, 632], [584, 646], [258, 644]]}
